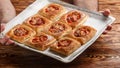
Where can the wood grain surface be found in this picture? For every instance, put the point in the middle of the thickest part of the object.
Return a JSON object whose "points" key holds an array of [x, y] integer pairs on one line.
{"points": [[104, 53]]}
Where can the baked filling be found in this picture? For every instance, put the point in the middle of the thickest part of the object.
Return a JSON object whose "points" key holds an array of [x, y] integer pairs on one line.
{"points": [[73, 17], [81, 32], [64, 43], [37, 21], [39, 39], [57, 28], [51, 9], [20, 31]]}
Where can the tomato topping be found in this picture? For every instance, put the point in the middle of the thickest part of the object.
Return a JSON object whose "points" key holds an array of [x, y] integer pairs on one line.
{"points": [[21, 31], [52, 9], [82, 32], [36, 21], [57, 28], [64, 43], [73, 17], [39, 39]]}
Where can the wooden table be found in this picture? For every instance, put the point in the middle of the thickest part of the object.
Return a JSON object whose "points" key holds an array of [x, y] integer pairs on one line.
{"points": [[104, 53]]}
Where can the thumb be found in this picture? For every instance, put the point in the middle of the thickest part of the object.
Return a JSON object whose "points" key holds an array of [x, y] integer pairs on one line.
{"points": [[2, 27]]}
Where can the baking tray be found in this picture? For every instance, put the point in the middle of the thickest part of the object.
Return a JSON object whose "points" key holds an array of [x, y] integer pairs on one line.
{"points": [[96, 20]]}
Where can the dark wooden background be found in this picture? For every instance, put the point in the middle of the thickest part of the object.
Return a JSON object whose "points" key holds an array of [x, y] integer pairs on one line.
{"points": [[104, 53]]}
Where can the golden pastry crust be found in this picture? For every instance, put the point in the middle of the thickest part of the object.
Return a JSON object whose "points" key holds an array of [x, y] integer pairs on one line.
{"points": [[65, 46], [58, 29], [20, 33], [52, 11], [40, 41], [37, 22], [83, 33], [74, 18]]}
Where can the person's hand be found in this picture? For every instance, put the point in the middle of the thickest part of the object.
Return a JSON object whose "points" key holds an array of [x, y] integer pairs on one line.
{"points": [[7, 12], [5, 40], [106, 13]]}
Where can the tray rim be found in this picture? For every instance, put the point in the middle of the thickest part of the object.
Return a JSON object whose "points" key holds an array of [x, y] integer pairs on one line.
{"points": [[110, 18]]}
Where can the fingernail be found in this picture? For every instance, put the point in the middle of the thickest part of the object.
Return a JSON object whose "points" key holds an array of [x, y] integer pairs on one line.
{"points": [[105, 32], [107, 10]]}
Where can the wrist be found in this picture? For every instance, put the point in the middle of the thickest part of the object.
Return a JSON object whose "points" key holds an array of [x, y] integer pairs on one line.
{"points": [[7, 11]]}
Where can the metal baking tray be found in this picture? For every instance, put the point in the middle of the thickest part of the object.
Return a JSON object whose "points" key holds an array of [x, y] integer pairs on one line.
{"points": [[96, 20]]}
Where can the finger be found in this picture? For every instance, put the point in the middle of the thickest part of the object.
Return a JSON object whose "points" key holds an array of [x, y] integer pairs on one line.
{"points": [[14, 44], [106, 12], [4, 40], [2, 27], [9, 42], [105, 32], [109, 27]]}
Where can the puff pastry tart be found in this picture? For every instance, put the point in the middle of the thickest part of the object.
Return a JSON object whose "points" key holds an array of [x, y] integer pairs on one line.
{"points": [[58, 29], [52, 11], [20, 33], [37, 22], [83, 33], [65, 46], [40, 41], [74, 18]]}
